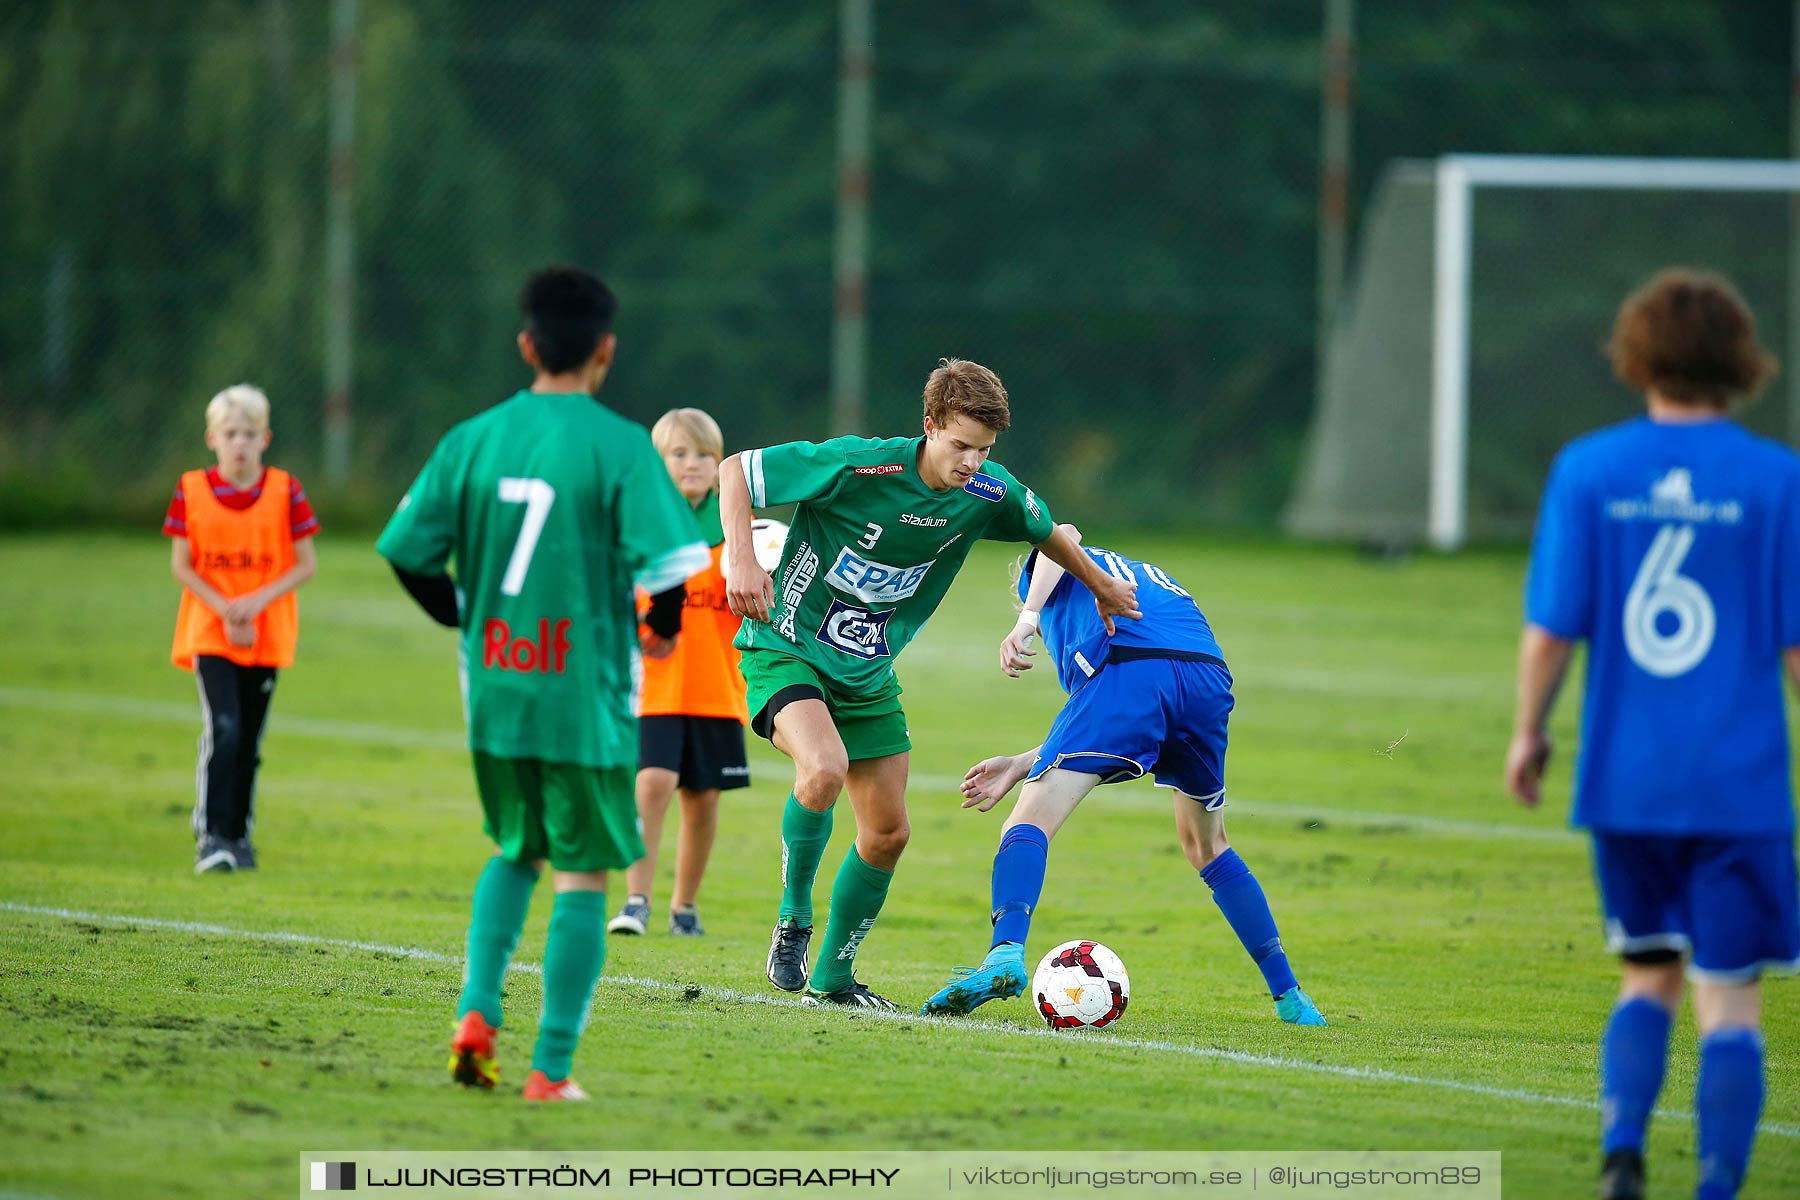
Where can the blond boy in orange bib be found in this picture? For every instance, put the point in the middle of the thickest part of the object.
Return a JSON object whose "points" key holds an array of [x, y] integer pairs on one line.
{"points": [[241, 542]]}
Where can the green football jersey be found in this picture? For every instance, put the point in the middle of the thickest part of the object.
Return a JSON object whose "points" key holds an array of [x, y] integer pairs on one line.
{"points": [[551, 507], [871, 549]]}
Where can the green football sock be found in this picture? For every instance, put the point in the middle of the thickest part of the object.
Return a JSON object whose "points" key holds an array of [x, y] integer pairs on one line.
{"points": [[502, 897], [573, 956], [804, 835], [856, 899]]}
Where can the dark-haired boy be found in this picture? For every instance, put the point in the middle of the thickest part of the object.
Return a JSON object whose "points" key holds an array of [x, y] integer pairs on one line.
{"points": [[552, 507], [1671, 545]]}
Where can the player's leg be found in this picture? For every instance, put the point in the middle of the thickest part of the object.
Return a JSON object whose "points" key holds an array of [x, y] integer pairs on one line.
{"points": [[1200, 824], [590, 827], [1729, 1089], [1746, 907], [256, 691], [512, 818], [803, 730], [1018, 881], [877, 788], [655, 788], [693, 849], [215, 777], [574, 955], [714, 762], [1641, 881]]}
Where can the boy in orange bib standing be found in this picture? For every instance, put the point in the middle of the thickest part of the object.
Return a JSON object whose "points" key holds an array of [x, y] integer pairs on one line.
{"points": [[241, 542], [691, 725]]}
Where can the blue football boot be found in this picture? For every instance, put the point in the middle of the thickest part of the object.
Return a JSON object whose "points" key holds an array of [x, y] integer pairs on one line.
{"points": [[1000, 976], [1296, 1008]]}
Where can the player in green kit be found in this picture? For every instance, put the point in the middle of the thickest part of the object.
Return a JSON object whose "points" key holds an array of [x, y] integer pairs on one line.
{"points": [[883, 526], [552, 507]]}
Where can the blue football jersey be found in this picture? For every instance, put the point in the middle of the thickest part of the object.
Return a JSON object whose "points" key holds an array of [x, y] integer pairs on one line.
{"points": [[1075, 637], [1673, 550]]}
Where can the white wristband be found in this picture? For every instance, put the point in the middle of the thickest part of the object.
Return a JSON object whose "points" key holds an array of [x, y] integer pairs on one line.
{"points": [[1028, 617]]}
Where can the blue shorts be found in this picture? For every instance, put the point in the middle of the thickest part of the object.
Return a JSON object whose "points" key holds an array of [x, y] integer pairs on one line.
{"points": [[1729, 904], [1148, 715]]}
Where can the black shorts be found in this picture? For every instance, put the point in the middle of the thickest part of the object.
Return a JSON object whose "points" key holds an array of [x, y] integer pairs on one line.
{"points": [[704, 752]]}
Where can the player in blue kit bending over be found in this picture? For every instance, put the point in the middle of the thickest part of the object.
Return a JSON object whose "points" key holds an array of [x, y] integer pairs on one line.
{"points": [[1153, 697], [1671, 545]]}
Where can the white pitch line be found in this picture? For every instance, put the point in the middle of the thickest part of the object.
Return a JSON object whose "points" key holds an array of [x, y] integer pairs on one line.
{"points": [[168, 713], [1097, 1041]]}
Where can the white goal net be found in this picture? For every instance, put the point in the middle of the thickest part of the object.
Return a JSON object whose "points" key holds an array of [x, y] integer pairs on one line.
{"points": [[1471, 343]]}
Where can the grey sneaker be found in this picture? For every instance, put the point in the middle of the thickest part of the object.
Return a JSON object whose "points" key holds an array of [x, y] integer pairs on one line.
{"points": [[633, 918], [213, 854], [685, 922], [787, 955], [243, 855]]}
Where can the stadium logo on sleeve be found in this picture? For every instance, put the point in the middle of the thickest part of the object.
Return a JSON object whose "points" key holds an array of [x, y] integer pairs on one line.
{"points": [[873, 582], [987, 487], [881, 469], [855, 631]]}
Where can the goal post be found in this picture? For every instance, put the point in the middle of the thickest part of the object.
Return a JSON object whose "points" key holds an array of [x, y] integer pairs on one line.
{"points": [[1528, 256]]}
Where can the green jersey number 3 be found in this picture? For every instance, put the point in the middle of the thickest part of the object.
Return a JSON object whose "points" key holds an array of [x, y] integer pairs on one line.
{"points": [[537, 496]]}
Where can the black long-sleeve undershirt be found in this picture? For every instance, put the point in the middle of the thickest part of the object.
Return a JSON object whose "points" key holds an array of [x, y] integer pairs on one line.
{"points": [[436, 594]]}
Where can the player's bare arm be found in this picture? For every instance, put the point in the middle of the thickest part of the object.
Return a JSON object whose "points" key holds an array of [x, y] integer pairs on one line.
{"points": [[988, 781], [748, 589], [1543, 661], [1790, 658], [1015, 647], [1113, 597]]}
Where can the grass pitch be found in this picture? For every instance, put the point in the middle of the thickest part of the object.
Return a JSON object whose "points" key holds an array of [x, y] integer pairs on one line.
{"points": [[1452, 939]]}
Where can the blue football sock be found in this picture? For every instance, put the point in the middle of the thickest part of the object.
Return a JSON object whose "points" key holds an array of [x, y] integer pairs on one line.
{"points": [[1018, 881], [1728, 1100], [1246, 910], [1633, 1051]]}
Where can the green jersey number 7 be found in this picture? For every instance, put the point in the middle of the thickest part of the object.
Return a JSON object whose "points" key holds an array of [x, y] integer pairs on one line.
{"points": [[537, 496]]}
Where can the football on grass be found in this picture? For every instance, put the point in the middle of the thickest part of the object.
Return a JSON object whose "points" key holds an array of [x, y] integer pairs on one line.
{"points": [[1081, 984]]}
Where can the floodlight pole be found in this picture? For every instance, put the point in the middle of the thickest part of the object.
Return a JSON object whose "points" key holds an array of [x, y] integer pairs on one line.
{"points": [[340, 243], [850, 248], [1337, 68]]}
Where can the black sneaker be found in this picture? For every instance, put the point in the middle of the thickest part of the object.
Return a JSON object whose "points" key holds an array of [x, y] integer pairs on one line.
{"points": [[854, 996], [243, 855], [213, 854], [1622, 1177], [685, 922], [787, 954]]}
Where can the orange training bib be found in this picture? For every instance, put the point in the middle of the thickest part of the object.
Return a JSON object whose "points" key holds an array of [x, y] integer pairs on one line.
{"points": [[237, 551]]}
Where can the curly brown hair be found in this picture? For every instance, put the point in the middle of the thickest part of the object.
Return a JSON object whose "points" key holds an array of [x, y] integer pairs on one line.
{"points": [[966, 389], [1689, 337]]}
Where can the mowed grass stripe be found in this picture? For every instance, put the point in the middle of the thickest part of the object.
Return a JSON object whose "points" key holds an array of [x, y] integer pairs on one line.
{"points": [[169, 713], [736, 996]]}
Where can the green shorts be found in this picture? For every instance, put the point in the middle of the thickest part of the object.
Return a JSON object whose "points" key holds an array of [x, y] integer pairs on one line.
{"points": [[872, 726], [580, 818]]}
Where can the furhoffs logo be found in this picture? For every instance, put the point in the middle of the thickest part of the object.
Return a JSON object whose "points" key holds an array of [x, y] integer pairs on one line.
{"points": [[334, 1177], [986, 486]]}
